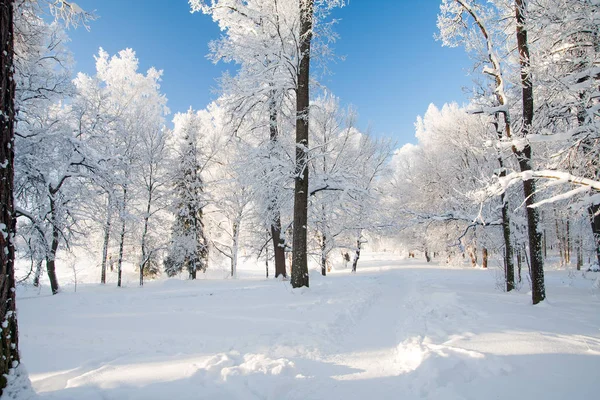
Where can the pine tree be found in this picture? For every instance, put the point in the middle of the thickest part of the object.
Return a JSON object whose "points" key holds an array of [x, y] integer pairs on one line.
{"points": [[189, 247]]}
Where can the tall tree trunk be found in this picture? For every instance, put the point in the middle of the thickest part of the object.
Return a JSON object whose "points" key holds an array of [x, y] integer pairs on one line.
{"points": [[357, 252], [538, 292], [300, 256], [509, 264], [594, 212], [38, 273], [121, 239], [234, 248], [9, 338], [51, 257], [278, 242], [144, 244], [106, 241], [484, 256], [568, 243], [323, 255], [559, 238], [278, 247]]}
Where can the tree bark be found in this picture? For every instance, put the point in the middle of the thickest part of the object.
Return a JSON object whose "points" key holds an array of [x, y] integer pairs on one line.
{"points": [[145, 255], [106, 241], [51, 257], [323, 255], [356, 253], [9, 349], [300, 256], [538, 292], [278, 242], [484, 257], [594, 212], [121, 239]]}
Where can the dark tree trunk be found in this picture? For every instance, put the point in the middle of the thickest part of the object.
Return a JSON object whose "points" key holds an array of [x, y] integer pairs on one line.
{"points": [[278, 248], [509, 264], [538, 292], [105, 243], [323, 255], [484, 256], [356, 254], [144, 245], [428, 257], [278, 242], [594, 212], [9, 351], [51, 257], [121, 240], [300, 256]]}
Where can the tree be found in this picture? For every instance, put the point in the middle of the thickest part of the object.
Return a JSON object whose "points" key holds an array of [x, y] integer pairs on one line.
{"points": [[300, 251], [9, 334], [188, 247]]}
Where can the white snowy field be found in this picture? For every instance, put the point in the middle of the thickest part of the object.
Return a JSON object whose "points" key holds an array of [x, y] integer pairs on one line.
{"points": [[398, 329]]}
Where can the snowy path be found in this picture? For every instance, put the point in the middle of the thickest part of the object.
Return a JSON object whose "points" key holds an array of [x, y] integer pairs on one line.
{"points": [[397, 329]]}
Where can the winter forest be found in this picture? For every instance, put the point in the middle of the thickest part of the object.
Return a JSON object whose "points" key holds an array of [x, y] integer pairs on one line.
{"points": [[269, 246]]}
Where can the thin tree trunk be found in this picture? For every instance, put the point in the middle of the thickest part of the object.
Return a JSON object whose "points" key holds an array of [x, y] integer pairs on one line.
{"points": [[538, 292], [300, 256], [234, 249], [559, 238], [121, 239], [278, 242], [579, 244], [267, 261], [145, 256], [9, 338], [38, 273], [357, 253], [484, 256], [323, 255], [594, 212], [51, 258], [568, 243], [509, 265], [105, 242]]}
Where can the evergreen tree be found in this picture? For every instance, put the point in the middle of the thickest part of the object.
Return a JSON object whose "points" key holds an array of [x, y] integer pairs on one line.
{"points": [[188, 248]]}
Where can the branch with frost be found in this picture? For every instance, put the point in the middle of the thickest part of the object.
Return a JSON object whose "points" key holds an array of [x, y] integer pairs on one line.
{"points": [[583, 185]]}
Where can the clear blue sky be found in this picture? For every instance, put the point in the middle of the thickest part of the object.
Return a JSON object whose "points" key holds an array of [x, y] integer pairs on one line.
{"points": [[393, 68]]}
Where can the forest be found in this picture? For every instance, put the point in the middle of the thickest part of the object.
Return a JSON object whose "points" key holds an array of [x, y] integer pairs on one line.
{"points": [[274, 196]]}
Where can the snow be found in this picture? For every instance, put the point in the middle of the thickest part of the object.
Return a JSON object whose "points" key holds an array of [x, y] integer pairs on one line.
{"points": [[396, 329]]}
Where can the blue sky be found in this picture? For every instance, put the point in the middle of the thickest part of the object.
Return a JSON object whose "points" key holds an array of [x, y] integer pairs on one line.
{"points": [[393, 66]]}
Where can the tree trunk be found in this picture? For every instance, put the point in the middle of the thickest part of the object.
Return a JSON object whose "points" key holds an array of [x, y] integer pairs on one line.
{"points": [[105, 242], [234, 249], [121, 240], [509, 265], [51, 258], [594, 212], [538, 292], [323, 255], [145, 255], [559, 238], [278, 242], [356, 253], [300, 256], [428, 257], [484, 256], [9, 351], [568, 243], [579, 245], [473, 256], [38, 273], [278, 248]]}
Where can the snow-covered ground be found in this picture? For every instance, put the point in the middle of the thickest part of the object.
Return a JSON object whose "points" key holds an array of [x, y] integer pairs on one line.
{"points": [[399, 329]]}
